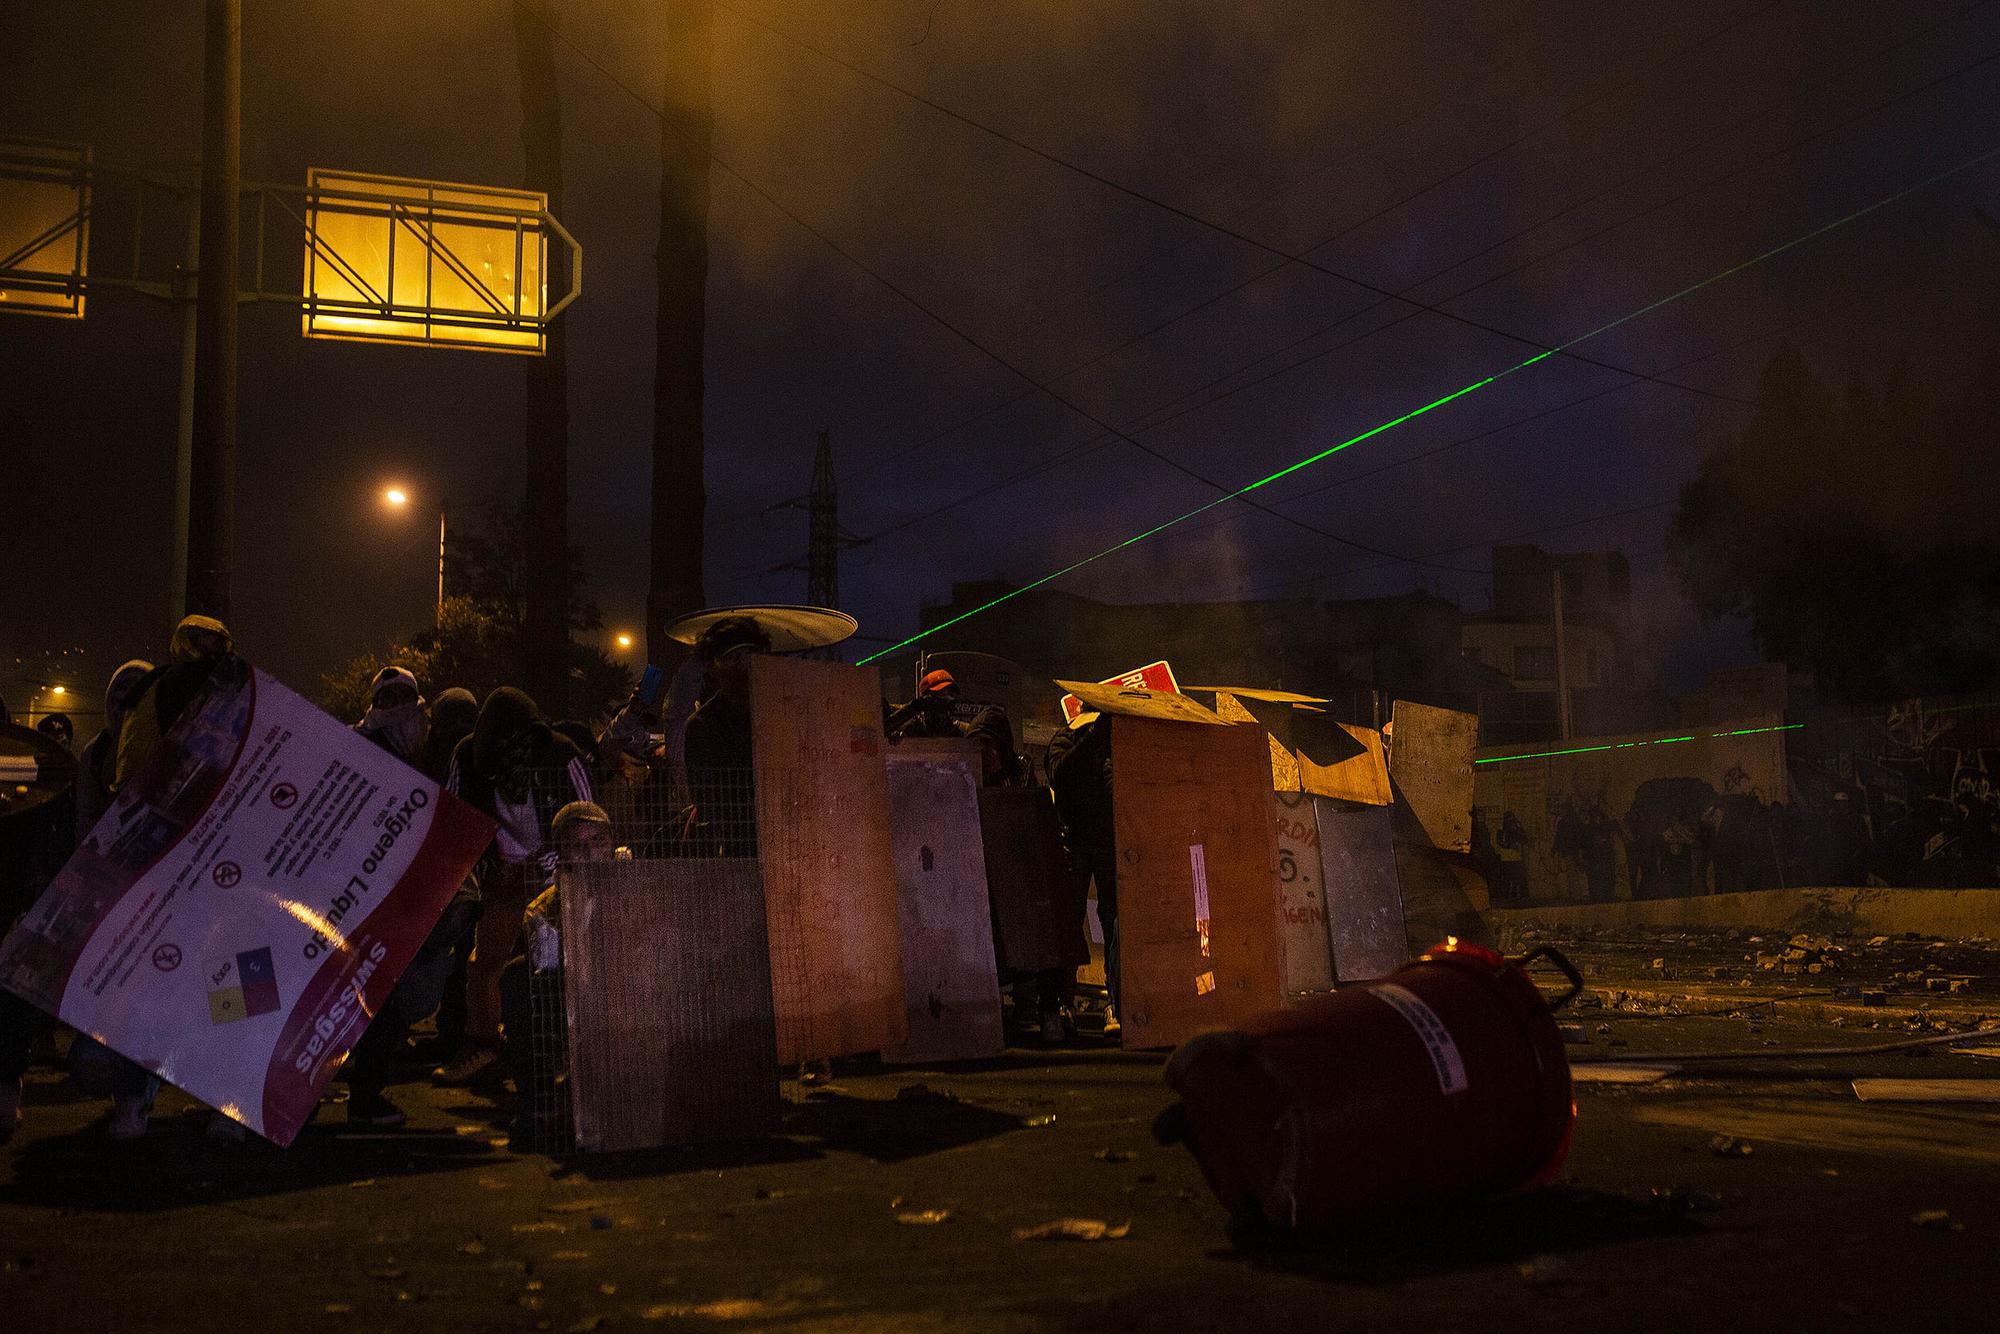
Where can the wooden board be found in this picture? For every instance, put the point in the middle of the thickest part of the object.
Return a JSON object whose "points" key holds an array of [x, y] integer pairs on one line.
{"points": [[828, 860], [1927, 1090], [1361, 773], [1308, 955], [1138, 702], [1364, 901], [951, 989], [1437, 899], [1431, 764], [1038, 901], [1284, 764], [1197, 880], [667, 987]]}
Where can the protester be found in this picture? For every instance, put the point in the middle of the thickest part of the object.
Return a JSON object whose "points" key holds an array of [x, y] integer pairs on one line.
{"points": [[398, 719], [58, 728], [453, 714], [717, 742], [516, 769], [200, 645], [98, 765], [582, 833], [930, 714], [1079, 763]]}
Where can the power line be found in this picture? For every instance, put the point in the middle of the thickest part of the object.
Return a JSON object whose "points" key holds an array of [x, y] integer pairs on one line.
{"points": [[1221, 229], [963, 335], [1491, 155], [1090, 444], [1461, 392]]}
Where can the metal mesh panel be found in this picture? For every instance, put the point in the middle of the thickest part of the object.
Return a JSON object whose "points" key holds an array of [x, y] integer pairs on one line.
{"points": [[668, 999], [650, 984]]}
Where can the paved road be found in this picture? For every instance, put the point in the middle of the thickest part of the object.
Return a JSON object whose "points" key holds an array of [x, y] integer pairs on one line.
{"points": [[441, 1227]]}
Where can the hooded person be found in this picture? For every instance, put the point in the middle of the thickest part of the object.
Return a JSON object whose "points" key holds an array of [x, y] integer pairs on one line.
{"points": [[453, 714], [200, 646], [515, 768], [398, 719]]}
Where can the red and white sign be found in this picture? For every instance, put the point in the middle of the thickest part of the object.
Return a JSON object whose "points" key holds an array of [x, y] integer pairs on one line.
{"points": [[1153, 676], [234, 944]]}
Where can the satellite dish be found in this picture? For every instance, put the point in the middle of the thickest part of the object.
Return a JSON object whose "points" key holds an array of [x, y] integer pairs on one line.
{"points": [[33, 769], [792, 629]]}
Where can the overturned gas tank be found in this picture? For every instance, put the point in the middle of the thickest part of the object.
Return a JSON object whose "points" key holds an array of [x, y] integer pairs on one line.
{"points": [[1445, 1079]]}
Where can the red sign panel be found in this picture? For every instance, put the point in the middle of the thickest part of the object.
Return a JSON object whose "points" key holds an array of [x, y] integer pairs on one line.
{"points": [[1153, 676]]}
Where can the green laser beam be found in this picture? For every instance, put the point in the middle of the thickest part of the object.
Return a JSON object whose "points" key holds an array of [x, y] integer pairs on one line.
{"points": [[1628, 745], [1436, 403]]}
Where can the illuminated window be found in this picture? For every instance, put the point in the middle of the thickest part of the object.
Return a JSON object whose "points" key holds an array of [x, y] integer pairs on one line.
{"points": [[391, 260], [44, 227]]}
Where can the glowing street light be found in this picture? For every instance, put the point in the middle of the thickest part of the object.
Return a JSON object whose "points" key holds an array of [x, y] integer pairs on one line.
{"points": [[58, 690], [399, 498], [624, 640]]}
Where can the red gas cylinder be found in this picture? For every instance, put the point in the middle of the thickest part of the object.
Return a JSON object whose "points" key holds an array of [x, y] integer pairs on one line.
{"points": [[1446, 1078]]}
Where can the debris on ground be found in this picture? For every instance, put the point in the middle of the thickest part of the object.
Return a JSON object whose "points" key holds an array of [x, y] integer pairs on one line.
{"points": [[923, 1217], [1927, 1090], [1680, 1201], [1937, 1220], [1544, 1270], [1074, 1229], [1114, 1155], [1730, 1146]]}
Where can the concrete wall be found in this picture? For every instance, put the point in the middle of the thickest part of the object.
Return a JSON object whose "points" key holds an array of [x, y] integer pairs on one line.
{"points": [[1951, 914]]}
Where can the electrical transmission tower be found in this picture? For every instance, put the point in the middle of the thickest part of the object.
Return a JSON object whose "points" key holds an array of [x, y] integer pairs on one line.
{"points": [[825, 538]]}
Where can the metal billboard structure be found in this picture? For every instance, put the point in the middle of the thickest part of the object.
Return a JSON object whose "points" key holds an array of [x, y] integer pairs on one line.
{"points": [[430, 263], [44, 227], [386, 259]]}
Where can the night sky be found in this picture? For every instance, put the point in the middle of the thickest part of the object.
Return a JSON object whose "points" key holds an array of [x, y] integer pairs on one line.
{"points": [[1680, 139]]}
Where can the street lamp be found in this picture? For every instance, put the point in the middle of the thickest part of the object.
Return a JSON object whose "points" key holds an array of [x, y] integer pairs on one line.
{"points": [[397, 497], [624, 640]]}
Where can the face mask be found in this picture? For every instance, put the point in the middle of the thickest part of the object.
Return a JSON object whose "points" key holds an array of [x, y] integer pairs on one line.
{"points": [[402, 726]]}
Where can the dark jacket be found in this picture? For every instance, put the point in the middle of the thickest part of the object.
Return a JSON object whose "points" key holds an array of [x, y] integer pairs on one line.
{"points": [[1080, 780]]}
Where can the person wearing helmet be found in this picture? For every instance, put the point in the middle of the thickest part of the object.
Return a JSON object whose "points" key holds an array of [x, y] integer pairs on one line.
{"points": [[537, 1051], [931, 713]]}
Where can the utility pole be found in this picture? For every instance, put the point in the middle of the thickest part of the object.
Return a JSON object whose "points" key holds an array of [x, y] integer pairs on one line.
{"points": [[211, 508], [185, 295], [545, 611], [679, 500], [1562, 647]]}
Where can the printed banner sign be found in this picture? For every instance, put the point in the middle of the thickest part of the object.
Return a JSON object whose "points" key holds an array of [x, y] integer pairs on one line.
{"points": [[1153, 676], [247, 902]]}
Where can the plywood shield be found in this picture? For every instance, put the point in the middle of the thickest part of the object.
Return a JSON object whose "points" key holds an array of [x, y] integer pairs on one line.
{"points": [[1364, 903], [1038, 901], [1431, 763], [829, 869], [667, 989], [951, 991], [1197, 878], [1347, 762], [1301, 895]]}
